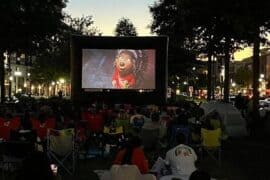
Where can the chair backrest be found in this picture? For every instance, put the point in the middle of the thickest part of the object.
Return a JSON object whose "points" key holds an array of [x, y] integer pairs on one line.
{"points": [[123, 172], [61, 142], [7, 126], [211, 138], [138, 122], [149, 137], [113, 130], [125, 124], [165, 120], [176, 129], [215, 123], [95, 122], [42, 128]]}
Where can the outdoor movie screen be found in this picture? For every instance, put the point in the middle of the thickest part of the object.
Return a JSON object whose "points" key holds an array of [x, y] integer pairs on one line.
{"points": [[118, 69]]}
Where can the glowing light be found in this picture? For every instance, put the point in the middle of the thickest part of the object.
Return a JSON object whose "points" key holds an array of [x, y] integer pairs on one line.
{"points": [[10, 78], [62, 81], [233, 84], [17, 73], [177, 91], [24, 85], [185, 83], [28, 74], [53, 83]]}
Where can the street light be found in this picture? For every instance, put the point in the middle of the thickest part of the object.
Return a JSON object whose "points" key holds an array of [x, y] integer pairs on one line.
{"points": [[177, 91], [17, 73], [62, 81], [39, 89]]}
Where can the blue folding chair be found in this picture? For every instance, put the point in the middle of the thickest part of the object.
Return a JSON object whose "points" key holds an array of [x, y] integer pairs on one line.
{"points": [[138, 123], [176, 129]]}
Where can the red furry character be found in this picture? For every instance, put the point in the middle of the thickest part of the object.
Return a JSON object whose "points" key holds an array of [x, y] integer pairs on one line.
{"points": [[123, 76]]}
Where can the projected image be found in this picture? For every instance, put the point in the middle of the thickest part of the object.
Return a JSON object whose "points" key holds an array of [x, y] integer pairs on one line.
{"points": [[118, 69]]}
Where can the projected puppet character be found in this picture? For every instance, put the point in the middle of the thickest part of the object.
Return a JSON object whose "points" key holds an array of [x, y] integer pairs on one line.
{"points": [[124, 76]]}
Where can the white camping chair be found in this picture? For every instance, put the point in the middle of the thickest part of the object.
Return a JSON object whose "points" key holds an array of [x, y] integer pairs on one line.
{"points": [[61, 148]]}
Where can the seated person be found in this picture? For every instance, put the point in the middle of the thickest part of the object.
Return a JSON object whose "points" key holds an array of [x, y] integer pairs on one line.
{"points": [[132, 154], [137, 115], [123, 172], [25, 132], [154, 124], [181, 159], [199, 175]]}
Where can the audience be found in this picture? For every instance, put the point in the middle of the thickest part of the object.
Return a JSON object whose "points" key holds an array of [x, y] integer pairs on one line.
{"points": [[181, 159], [199, 175], [132, 154], [154, 124]]}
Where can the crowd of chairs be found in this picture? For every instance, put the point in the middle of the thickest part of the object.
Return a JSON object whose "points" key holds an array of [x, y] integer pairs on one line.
{"points": [[96, 131]]}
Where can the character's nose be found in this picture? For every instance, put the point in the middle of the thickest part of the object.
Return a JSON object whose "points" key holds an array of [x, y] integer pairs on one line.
{"points": [[122, 64]]}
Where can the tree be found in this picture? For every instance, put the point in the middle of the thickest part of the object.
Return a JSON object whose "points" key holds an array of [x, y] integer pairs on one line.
{"points": [[167, 21], [24, 24], [215, 30], [81, 25], [125, 27], [54, 62], [243, 76], [255, 20]]}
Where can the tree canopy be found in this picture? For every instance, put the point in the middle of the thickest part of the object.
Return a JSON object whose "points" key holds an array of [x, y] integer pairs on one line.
{"points": [[168, 21], [54, 62], [125, 27], [24, 24]]}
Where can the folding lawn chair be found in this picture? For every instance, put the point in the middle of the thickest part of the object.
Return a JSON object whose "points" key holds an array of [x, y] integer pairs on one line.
{"points": [[61, 148]]}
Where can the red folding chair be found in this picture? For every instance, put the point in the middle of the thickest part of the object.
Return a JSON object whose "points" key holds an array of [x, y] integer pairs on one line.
{"points": [[7, 126], [41, 128], [95, 122]]}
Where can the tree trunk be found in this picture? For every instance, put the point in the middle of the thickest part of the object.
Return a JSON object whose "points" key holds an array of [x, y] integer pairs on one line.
{"points": [[2, 76], [209, 77], [256, 72], [227, 73]]}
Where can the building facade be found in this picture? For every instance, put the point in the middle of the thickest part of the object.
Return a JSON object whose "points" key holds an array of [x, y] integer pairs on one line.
{"points": [[17, 73]]}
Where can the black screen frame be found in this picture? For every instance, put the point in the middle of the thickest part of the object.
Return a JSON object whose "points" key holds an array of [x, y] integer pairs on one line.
{"points": [[157, 95]]}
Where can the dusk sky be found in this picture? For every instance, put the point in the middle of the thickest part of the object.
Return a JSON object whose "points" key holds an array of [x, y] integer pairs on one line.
{"points": [[106, 14]]}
